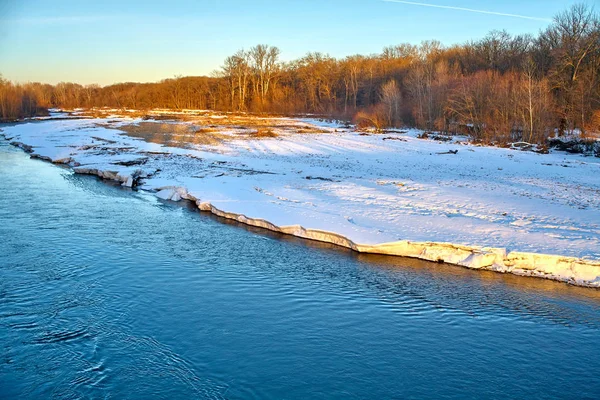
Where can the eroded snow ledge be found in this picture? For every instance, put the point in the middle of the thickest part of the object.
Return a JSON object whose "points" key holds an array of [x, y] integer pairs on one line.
{"points": [[572, 270]]}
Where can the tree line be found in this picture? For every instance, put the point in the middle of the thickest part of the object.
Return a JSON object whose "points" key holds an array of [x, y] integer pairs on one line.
{"points": [[500, 88]]}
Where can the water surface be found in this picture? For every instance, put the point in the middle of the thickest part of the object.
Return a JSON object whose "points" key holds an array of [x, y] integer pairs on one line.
{"points": [[110, 293]]}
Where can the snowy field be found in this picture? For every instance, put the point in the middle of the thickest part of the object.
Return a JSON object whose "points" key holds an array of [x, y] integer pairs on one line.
{"points": [[370, 188]]}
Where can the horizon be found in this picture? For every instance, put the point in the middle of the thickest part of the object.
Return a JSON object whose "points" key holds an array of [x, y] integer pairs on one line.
{"points": [[147, 42]]}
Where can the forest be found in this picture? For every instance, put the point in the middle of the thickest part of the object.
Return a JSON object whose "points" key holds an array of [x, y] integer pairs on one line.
{"points": [[499, 89]]}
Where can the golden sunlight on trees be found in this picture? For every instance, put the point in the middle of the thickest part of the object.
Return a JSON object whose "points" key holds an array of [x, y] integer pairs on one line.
{"points": [[500, 88], [21, 101], [573, 44]]}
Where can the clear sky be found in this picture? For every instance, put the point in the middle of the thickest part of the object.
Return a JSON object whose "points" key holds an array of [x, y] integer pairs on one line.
{"points": [[108, 41]]}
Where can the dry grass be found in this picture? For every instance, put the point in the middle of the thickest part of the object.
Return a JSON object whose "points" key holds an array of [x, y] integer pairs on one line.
{"points": [[264, 133], [203, 127], [174, 134], [206, 130], [311, 129], [208, 119], [157, 127]]}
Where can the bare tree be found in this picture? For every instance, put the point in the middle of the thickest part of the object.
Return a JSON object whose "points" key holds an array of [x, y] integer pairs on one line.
{"points": [[390, 99], [264, 66], [573, 39]]}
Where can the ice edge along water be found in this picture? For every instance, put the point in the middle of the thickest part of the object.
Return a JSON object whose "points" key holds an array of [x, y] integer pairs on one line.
{"points": [[573, 270]]}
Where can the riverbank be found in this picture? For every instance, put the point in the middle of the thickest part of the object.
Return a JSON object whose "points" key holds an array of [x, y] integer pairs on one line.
{"points": [[485, 208]]}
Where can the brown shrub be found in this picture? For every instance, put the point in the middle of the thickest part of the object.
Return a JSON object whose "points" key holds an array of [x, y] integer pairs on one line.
{"points": [[370, 119], [592, 129], [264, 132], [205, 130]]}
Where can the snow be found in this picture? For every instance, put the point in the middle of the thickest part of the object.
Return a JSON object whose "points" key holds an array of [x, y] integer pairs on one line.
{"points": [[391, 193]]}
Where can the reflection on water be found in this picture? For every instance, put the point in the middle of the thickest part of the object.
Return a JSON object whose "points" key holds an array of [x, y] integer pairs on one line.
{"points": [[106, 292]]}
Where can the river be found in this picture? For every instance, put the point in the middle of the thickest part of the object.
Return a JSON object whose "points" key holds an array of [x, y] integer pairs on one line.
{"points": [[107, 292]]}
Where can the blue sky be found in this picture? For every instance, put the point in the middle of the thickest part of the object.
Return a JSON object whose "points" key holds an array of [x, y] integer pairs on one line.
{"points": [[116, 41]]}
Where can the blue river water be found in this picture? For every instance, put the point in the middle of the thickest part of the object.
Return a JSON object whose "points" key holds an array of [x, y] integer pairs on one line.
{"points": [[111, 293]]}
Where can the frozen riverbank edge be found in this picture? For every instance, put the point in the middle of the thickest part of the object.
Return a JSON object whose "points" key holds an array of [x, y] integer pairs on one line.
{"points": [[571, 270]]}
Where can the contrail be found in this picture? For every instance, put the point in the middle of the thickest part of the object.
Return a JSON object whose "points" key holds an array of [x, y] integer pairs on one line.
{"points": [[467, 9]]}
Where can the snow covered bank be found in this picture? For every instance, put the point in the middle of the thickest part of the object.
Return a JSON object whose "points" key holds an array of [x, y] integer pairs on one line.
{"points": [[387, 194]]}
